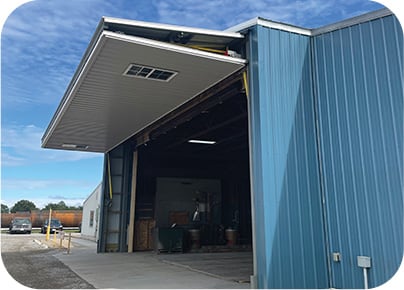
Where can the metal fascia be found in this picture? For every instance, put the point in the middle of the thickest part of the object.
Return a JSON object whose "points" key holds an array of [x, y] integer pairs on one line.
{"points": [[270, 24], [284, 27], [311, 32], [169, 27], [243, 26], [352, 21]]}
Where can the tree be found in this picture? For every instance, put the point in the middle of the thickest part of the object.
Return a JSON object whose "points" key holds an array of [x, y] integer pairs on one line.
{"points": [[23, 205], [4, 208], [61, 205]]}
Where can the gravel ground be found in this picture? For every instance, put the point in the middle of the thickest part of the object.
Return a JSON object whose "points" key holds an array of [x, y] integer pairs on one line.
{"points": [[33, 266]]}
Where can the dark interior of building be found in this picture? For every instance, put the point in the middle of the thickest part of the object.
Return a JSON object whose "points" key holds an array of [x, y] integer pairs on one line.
{"points": [[201, 191]]}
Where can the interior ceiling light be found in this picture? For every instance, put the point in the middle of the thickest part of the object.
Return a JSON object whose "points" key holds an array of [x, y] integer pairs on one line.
{"points": [[151, 73], [207, 142]]}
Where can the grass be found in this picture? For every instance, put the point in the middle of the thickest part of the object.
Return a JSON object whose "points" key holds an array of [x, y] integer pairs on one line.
{"points": [[72, 231]]}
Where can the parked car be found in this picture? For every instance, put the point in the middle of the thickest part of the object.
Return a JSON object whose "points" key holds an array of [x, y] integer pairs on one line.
{"points": [[54, 225], [20, 225]]}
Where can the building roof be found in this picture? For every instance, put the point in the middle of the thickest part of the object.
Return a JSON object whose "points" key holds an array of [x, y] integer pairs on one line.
{"points": [[95, 191], [307, 31]]}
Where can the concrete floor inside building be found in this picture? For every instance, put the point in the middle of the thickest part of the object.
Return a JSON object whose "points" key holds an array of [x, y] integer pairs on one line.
{"points": [[232, 266]]}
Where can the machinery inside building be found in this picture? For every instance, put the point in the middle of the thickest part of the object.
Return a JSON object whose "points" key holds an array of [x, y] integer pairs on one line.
{"points": [[193, 189]]}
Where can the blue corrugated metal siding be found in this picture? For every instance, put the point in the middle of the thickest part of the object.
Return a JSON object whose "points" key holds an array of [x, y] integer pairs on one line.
{"points": [[289, 233], [359, 88]]}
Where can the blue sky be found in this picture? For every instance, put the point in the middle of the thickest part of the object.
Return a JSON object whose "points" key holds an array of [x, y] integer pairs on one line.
{"points": [[42, 44]]}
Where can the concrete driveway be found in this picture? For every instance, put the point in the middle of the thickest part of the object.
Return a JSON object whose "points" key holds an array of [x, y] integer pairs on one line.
{"points": [[151, 271]]}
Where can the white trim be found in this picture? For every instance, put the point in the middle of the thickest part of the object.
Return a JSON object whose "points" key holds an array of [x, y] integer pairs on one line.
{"points": [[243, 25], [168, 27], [352, 21], [311, 32], [55, 121], [282, 26], [270, 24], [97, 188]]}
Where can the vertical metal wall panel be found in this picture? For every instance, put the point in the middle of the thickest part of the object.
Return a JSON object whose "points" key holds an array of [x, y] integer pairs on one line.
{"points": [[359, 88], [289, 233], [114, 215]]}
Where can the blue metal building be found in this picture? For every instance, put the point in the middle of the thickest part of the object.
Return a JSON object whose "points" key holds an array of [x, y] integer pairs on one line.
{"points": [[306, 132]]}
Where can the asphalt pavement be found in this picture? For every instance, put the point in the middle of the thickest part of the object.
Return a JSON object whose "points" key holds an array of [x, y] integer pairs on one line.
{"points": [[30, 263]]}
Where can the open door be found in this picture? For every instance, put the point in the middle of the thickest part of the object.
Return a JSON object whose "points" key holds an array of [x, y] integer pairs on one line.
{"points": [[132, 76]]}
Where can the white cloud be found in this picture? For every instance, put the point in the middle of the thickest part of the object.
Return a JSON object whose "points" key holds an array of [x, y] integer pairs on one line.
{"points": [[226, 13], [22, 137], [36, 184], [9, 160], [64, 198], [21, 145], [72, 192], [42, 44]]}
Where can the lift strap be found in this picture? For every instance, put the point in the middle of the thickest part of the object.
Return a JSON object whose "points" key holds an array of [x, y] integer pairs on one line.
{"points": [[109, 177], [245, 83]]}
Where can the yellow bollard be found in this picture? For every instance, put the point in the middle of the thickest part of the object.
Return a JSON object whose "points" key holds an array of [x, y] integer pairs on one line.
{"points": [[49, 225]]}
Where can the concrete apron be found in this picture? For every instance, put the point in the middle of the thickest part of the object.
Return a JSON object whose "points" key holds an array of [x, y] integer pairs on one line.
{"points": [[148, 270]]}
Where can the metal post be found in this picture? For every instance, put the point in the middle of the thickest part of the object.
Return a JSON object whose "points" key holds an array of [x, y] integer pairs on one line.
{"points": [[49, 225], [131, 227], [68, 243], [365, 278], [61, 241]]}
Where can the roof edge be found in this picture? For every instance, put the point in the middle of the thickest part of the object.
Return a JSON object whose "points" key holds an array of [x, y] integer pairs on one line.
{"points": [[94, 191], [81, 69], [93, 42], [154, 25], [352, 21], [270, 24], [242, 27]]}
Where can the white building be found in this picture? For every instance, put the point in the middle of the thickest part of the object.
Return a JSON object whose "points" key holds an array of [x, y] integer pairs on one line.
{"points": [[91, 213]]}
